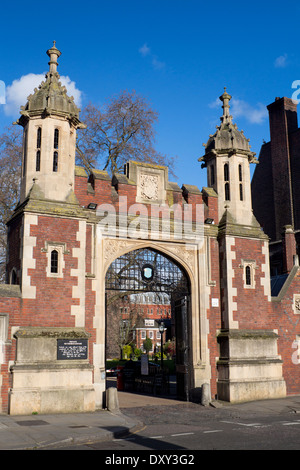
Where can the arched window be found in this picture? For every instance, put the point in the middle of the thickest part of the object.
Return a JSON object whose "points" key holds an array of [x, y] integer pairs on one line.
{"points": [[54, 261], [227, 192], [13, 277], [248, 275], [38, 149]]}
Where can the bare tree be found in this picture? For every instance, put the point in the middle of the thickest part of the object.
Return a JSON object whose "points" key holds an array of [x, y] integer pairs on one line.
{"points": [[121, 130], [122, 316], [10, 172]]}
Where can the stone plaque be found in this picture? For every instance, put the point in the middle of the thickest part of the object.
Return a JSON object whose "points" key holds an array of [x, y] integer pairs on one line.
{"points": [[68, 349], [149, 186]]}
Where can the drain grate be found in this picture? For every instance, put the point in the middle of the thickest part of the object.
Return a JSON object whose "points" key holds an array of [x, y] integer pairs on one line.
{"points": [[33, 422]]}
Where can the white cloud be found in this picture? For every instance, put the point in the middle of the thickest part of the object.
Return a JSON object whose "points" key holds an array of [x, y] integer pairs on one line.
{"points": [[157, 64], [215, 104], [145, 51], [21, 88], [240, 108], [71, 89], [281, 61], [255, 115]]}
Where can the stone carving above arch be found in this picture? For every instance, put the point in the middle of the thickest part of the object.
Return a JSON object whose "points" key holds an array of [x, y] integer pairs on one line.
{"points": [[183, 254]]}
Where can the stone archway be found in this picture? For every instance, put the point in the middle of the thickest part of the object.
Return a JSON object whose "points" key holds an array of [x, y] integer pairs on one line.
{"points": [[192, 258], [148, 271]]}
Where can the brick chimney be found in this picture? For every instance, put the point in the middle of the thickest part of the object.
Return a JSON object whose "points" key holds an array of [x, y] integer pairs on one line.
{"points": [[289, 248], [283, 121]]}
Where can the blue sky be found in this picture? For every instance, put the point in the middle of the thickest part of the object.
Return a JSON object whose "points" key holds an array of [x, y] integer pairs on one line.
{"points": [[179, 54]]}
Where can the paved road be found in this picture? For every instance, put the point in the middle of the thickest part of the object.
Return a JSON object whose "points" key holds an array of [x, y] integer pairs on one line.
{"points": [[181, 427]]}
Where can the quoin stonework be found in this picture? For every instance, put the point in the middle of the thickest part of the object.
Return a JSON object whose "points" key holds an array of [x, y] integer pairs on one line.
{"points": [[238, 326]]}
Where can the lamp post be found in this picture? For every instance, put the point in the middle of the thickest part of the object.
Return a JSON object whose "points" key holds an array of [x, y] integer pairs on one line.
{"points": [[161, 330]]}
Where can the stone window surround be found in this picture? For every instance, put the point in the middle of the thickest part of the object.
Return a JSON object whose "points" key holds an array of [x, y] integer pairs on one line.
{"points": [[4, 327], [4, 321], [296, 304], [60, 247], [252, 265]]}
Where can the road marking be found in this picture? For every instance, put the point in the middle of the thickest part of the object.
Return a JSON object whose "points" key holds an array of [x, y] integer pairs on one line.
{"points": [[242, 424], [215, 430], [182, 434], [291, 423]]}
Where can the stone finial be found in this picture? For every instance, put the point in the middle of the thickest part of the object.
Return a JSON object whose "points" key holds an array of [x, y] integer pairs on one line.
{"points": [[53, 53], [225, 98]]}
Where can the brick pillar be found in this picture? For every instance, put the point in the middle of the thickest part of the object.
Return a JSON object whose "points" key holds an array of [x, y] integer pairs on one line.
{"points": [[289, 248]]}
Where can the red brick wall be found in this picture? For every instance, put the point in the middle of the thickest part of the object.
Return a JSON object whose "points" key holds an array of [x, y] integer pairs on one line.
{"points": [[214, 313], [252, 304], [287, 322]]}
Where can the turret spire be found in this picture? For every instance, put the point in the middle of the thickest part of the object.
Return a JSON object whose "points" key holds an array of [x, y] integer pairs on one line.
{"points": [[225, 98], [53, 53]]}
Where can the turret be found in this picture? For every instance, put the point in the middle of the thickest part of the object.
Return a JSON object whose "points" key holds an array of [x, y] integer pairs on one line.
{"points": [[50, 119], [227, 157]]}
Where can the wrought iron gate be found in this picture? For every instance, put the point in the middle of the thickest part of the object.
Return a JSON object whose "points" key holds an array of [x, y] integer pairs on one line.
{"points": [[182, 347], [149, 271]]}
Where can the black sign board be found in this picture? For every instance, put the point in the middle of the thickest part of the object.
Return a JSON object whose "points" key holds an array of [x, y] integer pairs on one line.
{"points": [[72, 349]]}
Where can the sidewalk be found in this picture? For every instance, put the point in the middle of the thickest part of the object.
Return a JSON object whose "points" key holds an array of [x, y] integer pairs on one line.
{"points": [[42, 431]]}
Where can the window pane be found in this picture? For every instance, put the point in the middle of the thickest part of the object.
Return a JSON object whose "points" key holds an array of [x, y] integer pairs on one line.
{"points": [[56, 138], [240, 173], [226, 172], [241, 192], [55, 161], [248, 276], [54, 261], [39, 138], [227, 192], [38, 160]]}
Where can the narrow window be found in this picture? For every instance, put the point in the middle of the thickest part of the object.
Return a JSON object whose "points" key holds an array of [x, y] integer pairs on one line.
{"points": [[248, 275], [39, 138], [54, 261], [55, 161], [55, 153], [38, 160], [38, 149], [212, 175], [226, 172], [241, 193], [227, 192], [240, 173], [56, 138]]}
